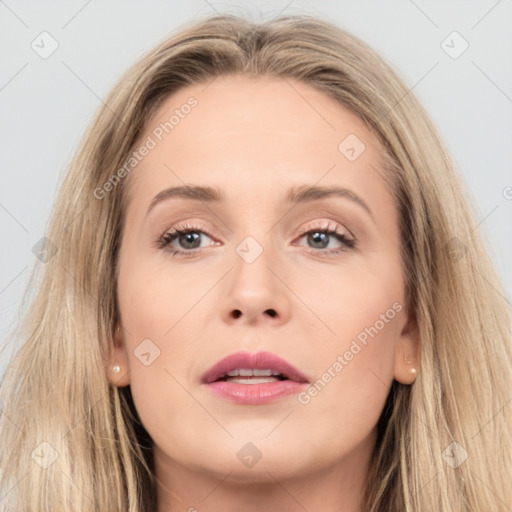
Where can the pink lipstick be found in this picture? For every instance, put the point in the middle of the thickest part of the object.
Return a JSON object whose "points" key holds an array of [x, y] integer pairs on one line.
{"points": [[253, 379]]}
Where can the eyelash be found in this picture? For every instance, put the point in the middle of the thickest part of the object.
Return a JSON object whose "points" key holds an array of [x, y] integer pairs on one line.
{"points": [[331, 229]]}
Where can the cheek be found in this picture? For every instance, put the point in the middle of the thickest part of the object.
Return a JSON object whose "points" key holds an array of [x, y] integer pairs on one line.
{"points": [[346, 399], [153, 301], [159, 312], [356, 301], [354, 357]]}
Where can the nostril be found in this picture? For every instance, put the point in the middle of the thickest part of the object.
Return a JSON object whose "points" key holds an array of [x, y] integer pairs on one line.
{"points": [[271, 312]]}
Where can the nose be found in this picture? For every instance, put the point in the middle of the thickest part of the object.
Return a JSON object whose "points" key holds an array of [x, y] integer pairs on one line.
{"points": [[256, 293]]}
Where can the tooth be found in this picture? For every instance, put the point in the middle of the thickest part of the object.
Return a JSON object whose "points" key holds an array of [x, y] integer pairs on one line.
{"points": [[256, 372], [262, 373], [254, 380]]}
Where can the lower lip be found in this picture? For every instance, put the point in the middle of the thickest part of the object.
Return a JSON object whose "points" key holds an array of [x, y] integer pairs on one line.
{"points": [[255, 394]]}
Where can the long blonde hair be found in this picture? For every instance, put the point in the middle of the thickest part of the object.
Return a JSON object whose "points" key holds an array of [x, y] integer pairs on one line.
{"points": [[95, 454]]}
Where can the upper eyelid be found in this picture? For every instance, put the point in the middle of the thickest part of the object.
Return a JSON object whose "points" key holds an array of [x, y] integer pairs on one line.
{"points": [[322, 225], [315, 210]]}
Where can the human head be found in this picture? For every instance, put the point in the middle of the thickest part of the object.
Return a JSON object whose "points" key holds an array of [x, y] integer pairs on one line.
{"points": [[430, 210]]}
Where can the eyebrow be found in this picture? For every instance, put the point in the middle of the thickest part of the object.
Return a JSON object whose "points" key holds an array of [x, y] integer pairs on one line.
{"points": [[307, 193], [295, 195]]}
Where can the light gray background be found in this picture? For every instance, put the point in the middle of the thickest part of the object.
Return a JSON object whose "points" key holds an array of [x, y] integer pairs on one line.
{"points": [[45, 104]]}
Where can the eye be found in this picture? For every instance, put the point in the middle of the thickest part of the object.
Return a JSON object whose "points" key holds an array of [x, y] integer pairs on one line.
{"points": [[181, 240], [185, 240], [321, 237]]}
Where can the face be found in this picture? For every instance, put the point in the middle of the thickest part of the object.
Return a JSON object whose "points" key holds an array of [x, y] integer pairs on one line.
{"points": [[260, 263]]}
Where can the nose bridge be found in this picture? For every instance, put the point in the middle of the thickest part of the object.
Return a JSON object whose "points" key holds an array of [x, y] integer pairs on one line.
{"points": [[251, 276]]}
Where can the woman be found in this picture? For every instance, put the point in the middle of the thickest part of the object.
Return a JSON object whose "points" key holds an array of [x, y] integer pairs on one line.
{"points": [[265, 292]]}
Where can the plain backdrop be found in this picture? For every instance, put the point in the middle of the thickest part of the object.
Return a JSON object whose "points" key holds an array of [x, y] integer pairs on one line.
{"points": [[46, 101]]}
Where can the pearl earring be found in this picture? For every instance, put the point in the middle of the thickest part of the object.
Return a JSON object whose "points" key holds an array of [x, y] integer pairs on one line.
{"points": [[413, 371], [116, 368]]}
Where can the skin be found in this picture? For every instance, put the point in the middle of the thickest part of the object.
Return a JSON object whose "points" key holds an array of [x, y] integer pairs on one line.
{"points": [[255, 138]]}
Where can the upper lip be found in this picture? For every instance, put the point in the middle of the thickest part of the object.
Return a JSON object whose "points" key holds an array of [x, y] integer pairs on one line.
{"points": [[246, 360]]}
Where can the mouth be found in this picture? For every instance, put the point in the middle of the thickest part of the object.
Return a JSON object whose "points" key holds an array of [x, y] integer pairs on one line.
{"points": [[253, 379]]}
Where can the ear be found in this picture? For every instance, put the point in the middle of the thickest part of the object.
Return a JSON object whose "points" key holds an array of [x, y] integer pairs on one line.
{"points": [[406, 352], [118, 358]]}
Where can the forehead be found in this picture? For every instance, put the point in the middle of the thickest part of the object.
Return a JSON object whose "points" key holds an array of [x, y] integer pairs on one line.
{"points": [[253, 136]]}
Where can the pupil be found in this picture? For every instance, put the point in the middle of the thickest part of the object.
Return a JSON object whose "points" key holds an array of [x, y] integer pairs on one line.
{"points": [[318, 237], [189, 238]]}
